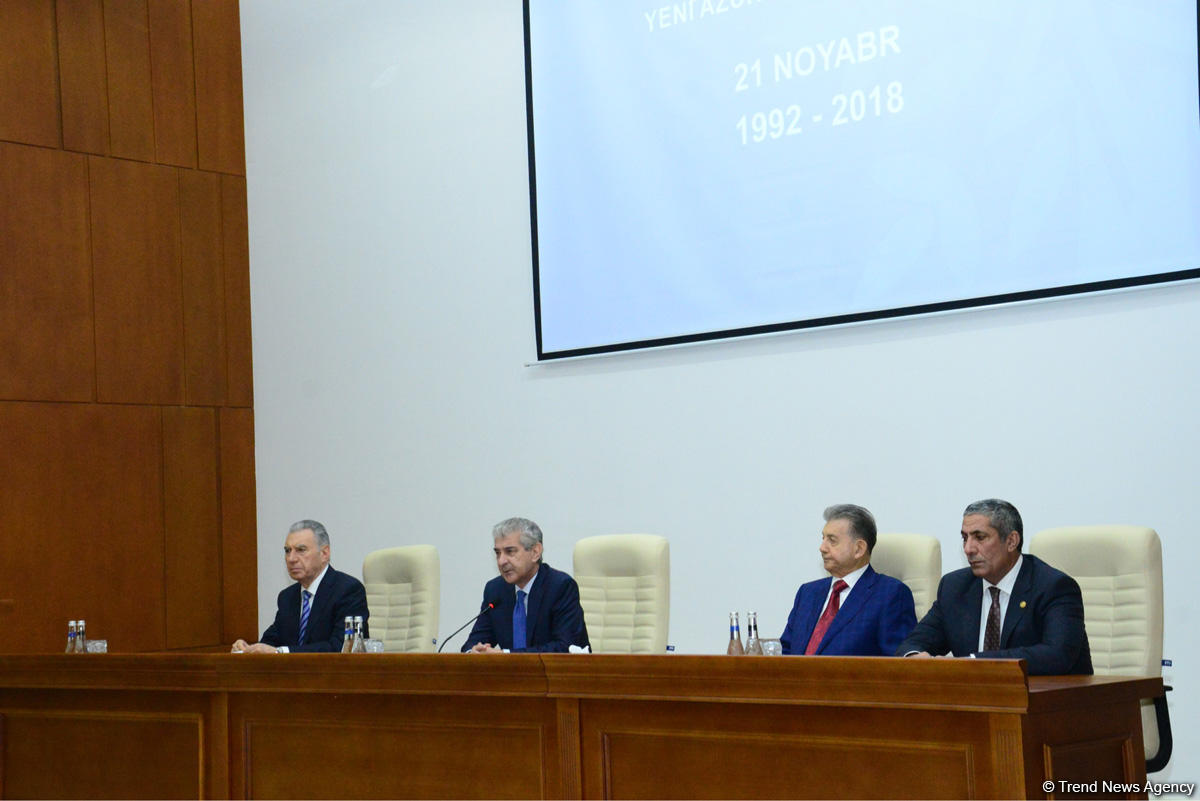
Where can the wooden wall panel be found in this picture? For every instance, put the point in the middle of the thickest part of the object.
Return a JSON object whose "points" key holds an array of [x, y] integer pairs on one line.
{"points": [[236, 241], [203, 288], [219, 121], [408, 752], [136, 258], [83, 75], [192, 517], [127, 480], [28, 75], [81, 490], [46, 345], [410, 734], [102, 754], [130, 97], [239, 529], [173, 82], [390, 724]]}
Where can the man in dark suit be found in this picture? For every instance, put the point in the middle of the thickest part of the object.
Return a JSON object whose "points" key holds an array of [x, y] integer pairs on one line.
{"points": [[536, 608], [312, 611], [1004, 605], [856, 612]]}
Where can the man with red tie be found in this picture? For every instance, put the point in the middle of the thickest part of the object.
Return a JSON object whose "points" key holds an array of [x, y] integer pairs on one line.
{"points": [[855, 612]]}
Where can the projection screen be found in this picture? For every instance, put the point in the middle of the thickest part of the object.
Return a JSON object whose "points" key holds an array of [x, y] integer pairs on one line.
{"points": [[716, 168]]}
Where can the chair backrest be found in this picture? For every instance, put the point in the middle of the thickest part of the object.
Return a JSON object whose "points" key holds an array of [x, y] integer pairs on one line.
{"points": [[915, 559], [625, 590], [1119, 570], [403, 591]]}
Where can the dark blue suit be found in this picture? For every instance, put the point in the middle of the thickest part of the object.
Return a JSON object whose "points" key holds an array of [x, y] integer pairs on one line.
{"points": [[338, 596], [553, 620], [1043, 623], [877, 615]]}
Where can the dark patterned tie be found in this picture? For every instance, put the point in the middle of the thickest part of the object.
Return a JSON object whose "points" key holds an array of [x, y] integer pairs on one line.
{"points": [[519, 622], [304, 610], [831, 610], [991, 635]]}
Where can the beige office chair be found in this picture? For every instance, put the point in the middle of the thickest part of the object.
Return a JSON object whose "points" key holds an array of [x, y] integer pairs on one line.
{"points": [[1119, 570], [403, 591], [625, 590], [915, 559]]}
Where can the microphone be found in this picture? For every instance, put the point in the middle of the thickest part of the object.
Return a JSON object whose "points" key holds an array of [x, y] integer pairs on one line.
{"points": [[487, 607]]}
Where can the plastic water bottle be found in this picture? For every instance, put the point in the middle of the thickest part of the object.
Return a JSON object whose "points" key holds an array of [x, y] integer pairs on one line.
{"points": [[360, 647], [71, 635], [81, 637], [348, 635]]}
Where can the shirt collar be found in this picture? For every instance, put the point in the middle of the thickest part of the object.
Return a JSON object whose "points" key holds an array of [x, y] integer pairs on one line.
{"points": [[1010, 578], [529, 584], [853, 576], [316, 582]]}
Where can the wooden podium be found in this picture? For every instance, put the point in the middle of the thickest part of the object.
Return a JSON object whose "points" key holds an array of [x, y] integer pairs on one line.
{"points": [[556, 726]]}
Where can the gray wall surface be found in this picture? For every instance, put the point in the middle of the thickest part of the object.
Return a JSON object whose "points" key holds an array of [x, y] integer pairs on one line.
{"points": [[393, 329]]}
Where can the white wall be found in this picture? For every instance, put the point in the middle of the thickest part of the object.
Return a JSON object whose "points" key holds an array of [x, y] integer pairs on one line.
{"points": [[390, 269]]}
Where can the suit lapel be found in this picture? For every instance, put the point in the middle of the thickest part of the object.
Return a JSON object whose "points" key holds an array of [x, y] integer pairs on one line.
{"points": [[857, 600], [1017, 603], [534, 603], [813, 606], [291, 607], [972, 601], [502, 622], [319, 601]]}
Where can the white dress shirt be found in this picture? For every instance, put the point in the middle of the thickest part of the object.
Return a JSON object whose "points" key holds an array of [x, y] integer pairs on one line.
{"points": [[312, 588], [528, 586], [1006, 587], [851, 579]]}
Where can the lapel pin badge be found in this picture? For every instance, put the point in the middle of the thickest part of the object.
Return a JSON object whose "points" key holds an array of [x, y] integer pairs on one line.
{"points": [[1022, 604]]}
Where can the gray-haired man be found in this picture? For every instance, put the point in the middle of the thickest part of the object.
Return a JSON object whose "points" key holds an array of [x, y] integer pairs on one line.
{"points": [[1004, 605], [530, 606], [312, 611]]}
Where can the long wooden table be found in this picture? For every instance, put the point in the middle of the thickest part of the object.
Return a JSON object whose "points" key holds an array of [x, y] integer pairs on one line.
{"points": [[557, 726]]}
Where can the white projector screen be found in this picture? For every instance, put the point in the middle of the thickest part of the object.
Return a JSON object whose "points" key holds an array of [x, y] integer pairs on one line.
{"points": [[712, 168]]}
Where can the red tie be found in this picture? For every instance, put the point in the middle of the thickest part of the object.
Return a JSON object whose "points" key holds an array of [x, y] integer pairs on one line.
{"points": [[831, 610]]}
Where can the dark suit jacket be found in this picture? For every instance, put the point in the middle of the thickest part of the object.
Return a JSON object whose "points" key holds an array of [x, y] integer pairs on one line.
{"points": [[338, 596], [877, 615], [553, 621], [1043, 623]]}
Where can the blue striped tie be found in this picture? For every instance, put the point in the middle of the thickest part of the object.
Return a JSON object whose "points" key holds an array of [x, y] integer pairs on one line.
{"points": [[304, 610], [519, 622]]}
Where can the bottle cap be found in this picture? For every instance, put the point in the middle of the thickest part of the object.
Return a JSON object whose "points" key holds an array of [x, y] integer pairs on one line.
{"points": [[72, 623], [358, 618]]}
